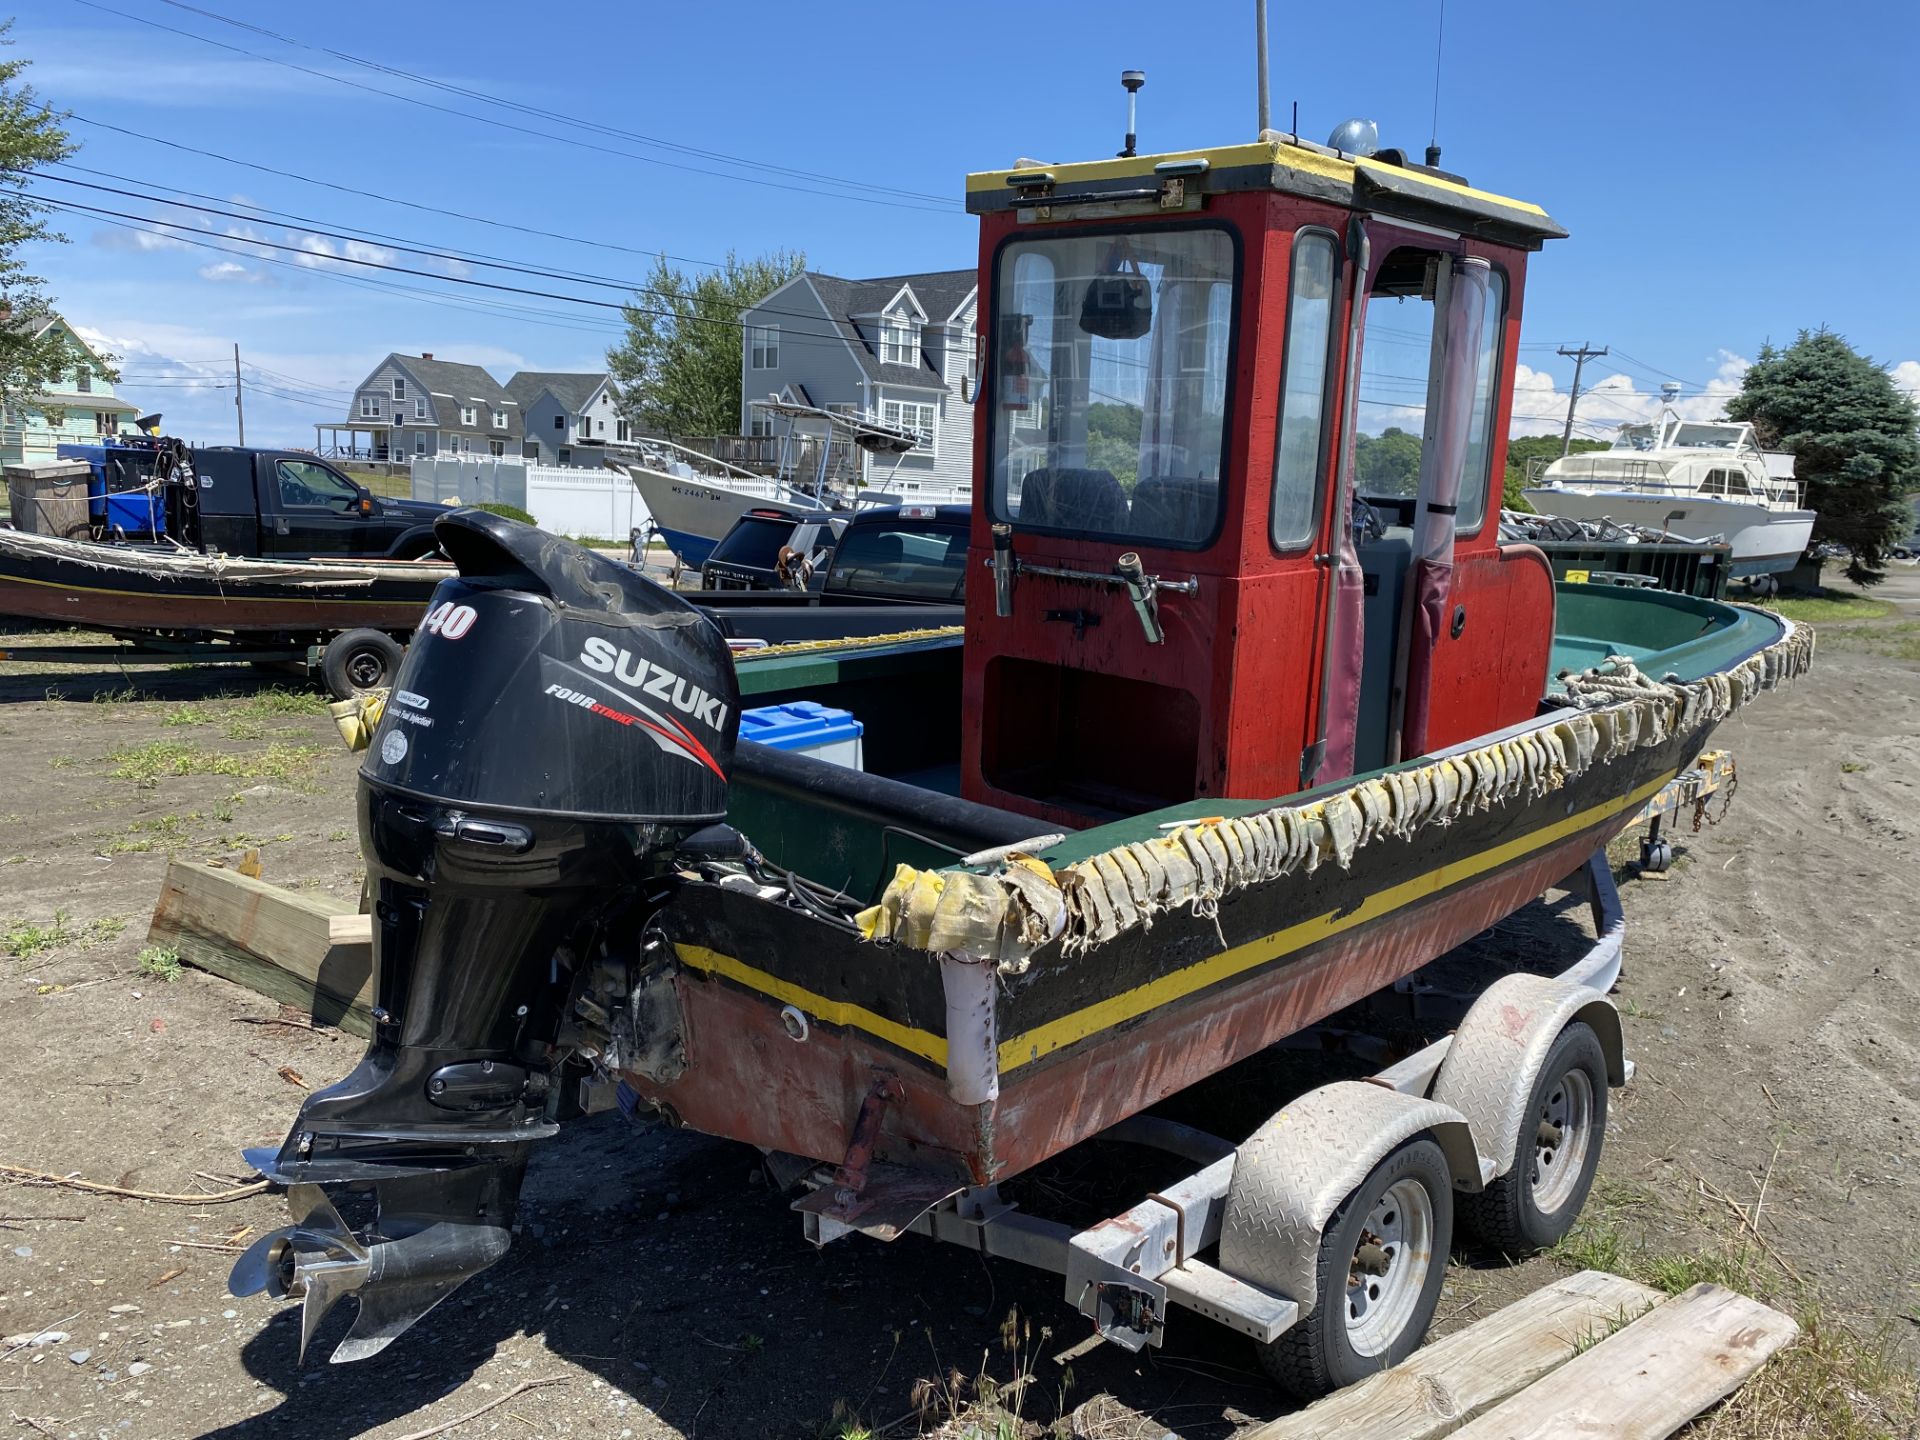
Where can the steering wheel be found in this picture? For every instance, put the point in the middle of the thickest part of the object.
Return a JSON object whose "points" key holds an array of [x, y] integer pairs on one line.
{"points": [[295, 492]]}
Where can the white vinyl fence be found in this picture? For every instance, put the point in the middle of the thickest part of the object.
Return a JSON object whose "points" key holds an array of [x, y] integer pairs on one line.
{"points": [[562, 499]]}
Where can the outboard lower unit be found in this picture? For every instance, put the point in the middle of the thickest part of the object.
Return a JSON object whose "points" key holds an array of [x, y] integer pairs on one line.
{"points": [[559, 725]]}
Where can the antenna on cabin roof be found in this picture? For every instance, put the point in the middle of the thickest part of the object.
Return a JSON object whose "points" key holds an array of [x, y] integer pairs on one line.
{"points": [[1439, 44], [1260, 43], [1132, 80], [1669, 392]]}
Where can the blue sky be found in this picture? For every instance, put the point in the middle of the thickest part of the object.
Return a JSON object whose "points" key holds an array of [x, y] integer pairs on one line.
{"points": [[1731, 172]]}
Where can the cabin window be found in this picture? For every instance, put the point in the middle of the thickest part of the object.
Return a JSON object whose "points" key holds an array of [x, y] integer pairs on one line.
{"points": [[1477, 475], [1303, 389], [1111, 357], [766, 347]]}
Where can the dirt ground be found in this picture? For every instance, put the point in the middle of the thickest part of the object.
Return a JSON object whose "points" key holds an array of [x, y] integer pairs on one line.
{"points": [[1771, 1002]]}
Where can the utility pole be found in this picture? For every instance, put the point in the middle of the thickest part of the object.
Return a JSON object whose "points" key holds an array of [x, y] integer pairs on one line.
{"points": [[239, 395], [1579, 358]]}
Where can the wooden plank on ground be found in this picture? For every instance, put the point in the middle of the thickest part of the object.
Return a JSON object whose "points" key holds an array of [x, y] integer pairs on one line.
{"points": [[276, 942], [1439, 1388], [350, 929], [1646, 1381]]}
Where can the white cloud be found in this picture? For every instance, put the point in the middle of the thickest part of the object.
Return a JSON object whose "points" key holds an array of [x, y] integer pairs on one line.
{"points": [[1608, 401], [233, 270], [1906, 376]]}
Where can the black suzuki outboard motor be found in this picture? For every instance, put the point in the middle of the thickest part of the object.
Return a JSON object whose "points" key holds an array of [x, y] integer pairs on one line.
{"points": [[559, 724]]}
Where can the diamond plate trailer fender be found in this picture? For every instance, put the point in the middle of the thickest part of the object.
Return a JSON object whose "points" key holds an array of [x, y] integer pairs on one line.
{"points": [[1489, 1071], [1293, 1172]]}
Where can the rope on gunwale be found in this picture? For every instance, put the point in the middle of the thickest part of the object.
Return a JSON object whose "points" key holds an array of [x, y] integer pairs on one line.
{"points": [[1612, 710]]}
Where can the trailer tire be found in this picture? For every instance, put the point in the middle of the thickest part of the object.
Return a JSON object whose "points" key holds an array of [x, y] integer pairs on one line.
{"points": [[1537, 1201], [1361, 1323], [357, 661]]}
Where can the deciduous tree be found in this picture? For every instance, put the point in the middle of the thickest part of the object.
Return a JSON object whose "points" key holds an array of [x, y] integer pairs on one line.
{"points": [[678, 368], [1853, 438]]}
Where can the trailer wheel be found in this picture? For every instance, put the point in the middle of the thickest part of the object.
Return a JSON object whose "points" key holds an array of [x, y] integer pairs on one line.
{"points": [[1382, 1259], [358, 661], [1535, 1203]]}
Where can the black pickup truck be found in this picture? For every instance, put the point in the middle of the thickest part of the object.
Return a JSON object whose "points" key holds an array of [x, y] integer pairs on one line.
{"points": [[281, 504], [898, 567]]}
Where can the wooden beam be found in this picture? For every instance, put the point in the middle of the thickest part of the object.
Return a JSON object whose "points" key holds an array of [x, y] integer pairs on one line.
{"points": [[1646, 1381], [1438, 1389], [276, 942], [350, 929]]}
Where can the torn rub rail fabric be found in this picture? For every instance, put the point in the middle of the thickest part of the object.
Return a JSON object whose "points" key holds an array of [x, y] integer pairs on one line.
{"points": [[1009, 912]]}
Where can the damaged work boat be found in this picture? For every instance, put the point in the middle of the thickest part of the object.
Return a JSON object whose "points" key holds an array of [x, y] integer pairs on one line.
{"points": [[1206, 769]]}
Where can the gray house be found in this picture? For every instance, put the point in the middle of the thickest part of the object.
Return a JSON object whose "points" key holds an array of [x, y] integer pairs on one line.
{"points": [[899, 348], [568, 417], [416, 405]]}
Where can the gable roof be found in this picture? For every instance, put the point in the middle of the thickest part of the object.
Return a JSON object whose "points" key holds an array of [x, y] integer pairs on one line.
{"points": [[940, 293], [573, 389], [449, 383]]}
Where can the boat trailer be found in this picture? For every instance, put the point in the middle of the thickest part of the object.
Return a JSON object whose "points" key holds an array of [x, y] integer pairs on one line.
{"points": [[1125, 1272]]}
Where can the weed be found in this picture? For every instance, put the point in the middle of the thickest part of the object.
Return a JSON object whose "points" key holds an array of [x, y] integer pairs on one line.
{"points": [[1730, 1266], [146, 765], [64, 762], [160, 962], [14, 860], [25, 940], [126, 695], [1852, 767], [1595, 1243], [187, 715], [166, 832], [336, 836], [265, 703], [223, 810], [239, 727]]}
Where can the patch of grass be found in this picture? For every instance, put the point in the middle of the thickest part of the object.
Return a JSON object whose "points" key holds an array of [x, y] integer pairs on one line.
{"points": [[126, 695], [1899, 641], [64, 762], [146, 765], [1852, 767], [336, 836], [187, 715], [239, 727], [1731, 1266], [159, 962], [223, 810], [264, 703], [1597, 1242], [1829, 606], [165, 832], [14, 860], [25, 940]]}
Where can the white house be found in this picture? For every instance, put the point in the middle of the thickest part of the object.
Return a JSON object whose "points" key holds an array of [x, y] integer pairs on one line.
{"points": [[414, 405], [899, 348]]}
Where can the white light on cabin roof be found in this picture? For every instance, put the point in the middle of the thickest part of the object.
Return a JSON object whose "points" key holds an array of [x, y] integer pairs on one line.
{"points": [[1355, 137]]}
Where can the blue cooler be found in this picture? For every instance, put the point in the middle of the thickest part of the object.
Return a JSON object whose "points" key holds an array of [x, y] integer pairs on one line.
{"points": [[807, 727]]}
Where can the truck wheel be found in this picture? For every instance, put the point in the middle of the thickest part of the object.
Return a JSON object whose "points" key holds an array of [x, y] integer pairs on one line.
{"points": [[1383, 1258], [358, 661], [1535, 1203]]}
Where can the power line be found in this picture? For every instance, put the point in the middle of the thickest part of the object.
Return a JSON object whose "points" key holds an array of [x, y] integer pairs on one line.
{"points": [[593, 125], [508, 125]]}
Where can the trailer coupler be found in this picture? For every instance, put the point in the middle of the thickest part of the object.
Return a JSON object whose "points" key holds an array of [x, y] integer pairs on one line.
{"points": [[433, 1231]]}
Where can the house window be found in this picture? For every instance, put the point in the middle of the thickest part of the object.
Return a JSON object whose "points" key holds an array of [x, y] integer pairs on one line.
{"points": [[499, 422], [83, 380], [560, 422], [914, 416], [369, 407], [419, 407], [103, 422], [899, 341], [759, 425], [399, 388], [622, 432], [419, 442], [766, 347], [496, 447], [469, 415]]}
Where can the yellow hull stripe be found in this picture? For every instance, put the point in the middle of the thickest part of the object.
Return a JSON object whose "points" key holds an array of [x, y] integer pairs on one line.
{"points": [[835, 1012], [231, 596], [1025, 1048]]}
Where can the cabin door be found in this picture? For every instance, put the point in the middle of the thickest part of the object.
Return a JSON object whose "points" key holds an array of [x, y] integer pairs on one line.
{"points": [[1419, 394]]}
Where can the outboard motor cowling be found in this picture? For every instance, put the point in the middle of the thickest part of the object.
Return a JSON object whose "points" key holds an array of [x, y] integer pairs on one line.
{"points": [[559, 724]]}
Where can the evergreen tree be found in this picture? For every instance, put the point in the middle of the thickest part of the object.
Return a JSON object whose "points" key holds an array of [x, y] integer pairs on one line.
{"points": [[30, 137], [678, 368], [1852, 435]]}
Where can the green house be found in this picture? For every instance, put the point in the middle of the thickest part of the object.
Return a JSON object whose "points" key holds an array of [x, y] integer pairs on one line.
{"points": [[82, 399]]}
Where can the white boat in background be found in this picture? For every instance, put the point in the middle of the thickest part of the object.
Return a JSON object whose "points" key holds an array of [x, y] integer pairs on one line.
{"points": [[1692, 479], [695, 498]]}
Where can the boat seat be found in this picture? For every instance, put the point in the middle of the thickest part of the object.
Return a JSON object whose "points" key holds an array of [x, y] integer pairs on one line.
{"points": [[1065, 498], [1179, 509]]}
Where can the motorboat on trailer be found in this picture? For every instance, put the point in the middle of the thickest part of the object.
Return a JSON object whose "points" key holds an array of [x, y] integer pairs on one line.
{"points": [[694, 498], [1692, 479], [1203, 768]]}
